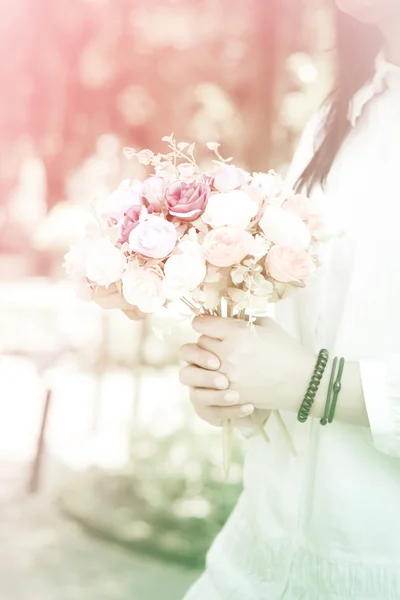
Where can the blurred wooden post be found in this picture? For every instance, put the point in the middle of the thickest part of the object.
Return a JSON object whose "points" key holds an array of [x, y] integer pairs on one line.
{"points": [[37, 465]]}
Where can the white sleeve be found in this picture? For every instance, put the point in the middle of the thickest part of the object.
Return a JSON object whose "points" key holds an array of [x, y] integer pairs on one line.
{"points": [[381, 386]]}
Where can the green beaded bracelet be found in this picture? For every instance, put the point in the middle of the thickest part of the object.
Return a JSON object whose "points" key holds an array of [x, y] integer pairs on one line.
{"points": [[312, 389], [324, 419], [337, 386]]}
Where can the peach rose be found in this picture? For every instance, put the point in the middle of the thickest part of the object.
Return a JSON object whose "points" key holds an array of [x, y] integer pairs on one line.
{"points": [[227, 246], [286, 264], [299, 205]]}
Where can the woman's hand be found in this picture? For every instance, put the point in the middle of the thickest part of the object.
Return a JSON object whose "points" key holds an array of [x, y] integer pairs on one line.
{"points": [[111, 297], [262, 366]]}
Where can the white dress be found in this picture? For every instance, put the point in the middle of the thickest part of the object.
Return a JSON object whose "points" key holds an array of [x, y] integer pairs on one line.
{"points": [[326, 525]]}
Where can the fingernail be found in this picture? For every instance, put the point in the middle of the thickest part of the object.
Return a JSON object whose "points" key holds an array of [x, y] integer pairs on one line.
{"points": [[231, 397], [247, 409], [213, 363], [221, 382]]}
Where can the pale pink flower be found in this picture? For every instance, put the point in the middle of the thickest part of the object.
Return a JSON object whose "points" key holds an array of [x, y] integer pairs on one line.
{"points": [[227, 246], [127, 194], [230, 178], [286, 264], [187, 201], [143, 288], [232, 209], [104, 263], [154, 238], [153, 189], [284, 228], [299, 205]]}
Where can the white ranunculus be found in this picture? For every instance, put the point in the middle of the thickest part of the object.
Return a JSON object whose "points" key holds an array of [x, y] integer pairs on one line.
{"points": [[104, 263], [143, 288], [183, 273], [282, 227], [233, 209]]}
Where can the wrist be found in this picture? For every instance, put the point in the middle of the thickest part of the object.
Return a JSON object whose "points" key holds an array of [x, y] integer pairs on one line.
{"points": [[302, 381], [318, 407]]}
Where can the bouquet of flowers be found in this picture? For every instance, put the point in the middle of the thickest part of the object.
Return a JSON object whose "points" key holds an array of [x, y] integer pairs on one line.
{"points": [[222, 242]]}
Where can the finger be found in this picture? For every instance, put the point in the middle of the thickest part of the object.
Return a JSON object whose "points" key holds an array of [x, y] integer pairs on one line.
{"points": [[215, 327], [192, 353], [211, 345], [206, 397], [218, 414], [202, 378]]}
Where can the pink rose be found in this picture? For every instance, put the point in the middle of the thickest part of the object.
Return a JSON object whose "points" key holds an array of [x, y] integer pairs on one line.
{"points": [[286, 264], [154, 238], [227, 246], [299, 205], [131, 220], [230, 178], [129, 223], [187, 200]]}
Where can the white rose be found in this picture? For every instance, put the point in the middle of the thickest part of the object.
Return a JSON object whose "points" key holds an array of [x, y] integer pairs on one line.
{"points": [[143, 288], [104, 263], [282, 227], [183, 273], [270, 183], [75, 267], [233, 209]]}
